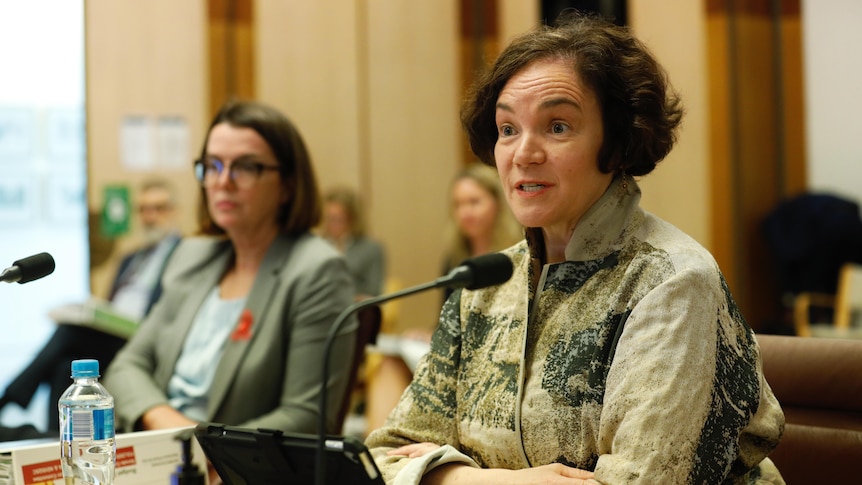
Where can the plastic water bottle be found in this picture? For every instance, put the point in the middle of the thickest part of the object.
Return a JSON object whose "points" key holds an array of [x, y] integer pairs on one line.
{"points": [[87, 448]]}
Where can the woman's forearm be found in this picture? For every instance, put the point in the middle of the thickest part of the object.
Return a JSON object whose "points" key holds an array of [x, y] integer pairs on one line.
{"points": [[554, 473], [164, 416]]}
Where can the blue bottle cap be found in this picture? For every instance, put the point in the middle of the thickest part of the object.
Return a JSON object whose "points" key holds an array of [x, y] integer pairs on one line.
{"points": [[85, 368]]}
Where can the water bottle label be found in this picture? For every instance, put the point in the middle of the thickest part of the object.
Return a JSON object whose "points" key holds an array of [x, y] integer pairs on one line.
{"points": [[103, 424], [90, 424]]}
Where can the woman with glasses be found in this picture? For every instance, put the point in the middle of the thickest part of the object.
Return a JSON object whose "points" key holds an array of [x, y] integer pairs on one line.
{"points": [[239, 331]]}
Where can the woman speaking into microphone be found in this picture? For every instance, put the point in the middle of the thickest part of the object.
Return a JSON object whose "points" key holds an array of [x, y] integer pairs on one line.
{"points": [[615, 354]]}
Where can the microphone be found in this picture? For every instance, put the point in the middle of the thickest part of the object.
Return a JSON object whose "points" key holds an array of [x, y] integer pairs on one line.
{"points": [[472, 274], [479, 272], [28, 269]]}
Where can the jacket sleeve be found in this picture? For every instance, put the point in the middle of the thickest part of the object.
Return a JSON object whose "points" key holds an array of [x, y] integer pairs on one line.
{"points": [[316, 299], [130, 376], [426, 411], [686, 401], [375, 270]]}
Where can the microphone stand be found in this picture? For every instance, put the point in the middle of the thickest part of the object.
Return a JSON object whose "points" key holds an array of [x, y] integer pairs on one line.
{"points": [[320, 458]]}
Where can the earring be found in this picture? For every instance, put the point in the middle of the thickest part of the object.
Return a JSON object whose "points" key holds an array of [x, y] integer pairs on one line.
{"points": [[624, 182]]}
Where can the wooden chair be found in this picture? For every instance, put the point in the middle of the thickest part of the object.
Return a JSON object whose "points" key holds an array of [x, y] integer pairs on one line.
{"points": [[369, 326], [846, 305]]}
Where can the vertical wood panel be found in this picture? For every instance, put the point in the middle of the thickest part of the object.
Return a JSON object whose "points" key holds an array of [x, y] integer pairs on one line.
{"points": [[479, 46], [516, 17], [374, 89], [415, 137], [308, 66], [758, 163], [722, 202], [231, 48], [757, 140]]}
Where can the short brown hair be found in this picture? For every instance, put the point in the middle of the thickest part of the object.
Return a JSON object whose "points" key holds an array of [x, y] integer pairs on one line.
{"points": [[302, 211], [640, 110]]}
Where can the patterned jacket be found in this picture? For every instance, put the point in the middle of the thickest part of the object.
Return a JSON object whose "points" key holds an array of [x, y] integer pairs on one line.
{"points": [[630, 359]]}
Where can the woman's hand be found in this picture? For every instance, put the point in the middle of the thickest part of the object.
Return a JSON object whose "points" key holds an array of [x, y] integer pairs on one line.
{"points": [[414, 450], [164, 416], [553, 474], [420, 334], [212, 474]]}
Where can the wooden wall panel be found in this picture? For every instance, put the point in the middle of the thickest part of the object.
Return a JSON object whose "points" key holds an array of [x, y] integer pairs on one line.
{"points": [[757, 140], [516, 17], [145, 59], [793, 115], [374, 88], [231, 47], [722, 202], [308, 66], [414, 97], [678, 190]]}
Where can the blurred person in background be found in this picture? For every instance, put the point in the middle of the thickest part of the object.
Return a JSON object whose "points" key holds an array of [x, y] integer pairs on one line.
{"points": [[135, 288], [480, 221], [344, 226]]}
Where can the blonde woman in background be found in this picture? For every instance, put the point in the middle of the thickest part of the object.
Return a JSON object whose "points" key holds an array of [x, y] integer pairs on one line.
{"points": [[480, 223]]}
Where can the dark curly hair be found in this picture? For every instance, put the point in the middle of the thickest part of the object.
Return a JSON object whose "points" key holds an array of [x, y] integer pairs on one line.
{"points": [[303, 209], [640, 110]]}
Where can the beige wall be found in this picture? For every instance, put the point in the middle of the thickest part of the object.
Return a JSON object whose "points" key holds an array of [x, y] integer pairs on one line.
{"points": [[143, 59], [516, 17], [375, 90], [308, 66], [679, 189]]}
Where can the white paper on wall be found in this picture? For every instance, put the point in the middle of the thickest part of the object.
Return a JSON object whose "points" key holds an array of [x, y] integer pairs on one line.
{"points": [[136, 143]]}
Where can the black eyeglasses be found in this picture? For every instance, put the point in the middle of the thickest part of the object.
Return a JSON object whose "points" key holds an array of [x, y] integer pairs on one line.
{"points": [[244, 173]]}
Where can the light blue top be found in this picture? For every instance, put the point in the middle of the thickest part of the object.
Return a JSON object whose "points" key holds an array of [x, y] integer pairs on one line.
{"points": [[188, 388]]}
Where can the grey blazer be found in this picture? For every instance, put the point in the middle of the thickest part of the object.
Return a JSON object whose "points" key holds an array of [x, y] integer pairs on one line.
{"points": [[269, 376], [366, 262]]}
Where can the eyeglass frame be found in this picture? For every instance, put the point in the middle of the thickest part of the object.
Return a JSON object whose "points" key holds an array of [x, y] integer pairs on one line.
{"points": [[200, 169]]}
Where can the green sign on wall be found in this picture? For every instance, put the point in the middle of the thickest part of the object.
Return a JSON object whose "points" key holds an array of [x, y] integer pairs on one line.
{"points": [[116, 211]]}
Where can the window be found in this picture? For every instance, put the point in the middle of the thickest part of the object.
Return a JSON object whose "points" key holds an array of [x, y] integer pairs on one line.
{"points": [[42, 174]]}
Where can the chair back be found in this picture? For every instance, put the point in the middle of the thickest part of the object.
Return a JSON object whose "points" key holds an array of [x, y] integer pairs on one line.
{"points": [[369, 326], [848, 302], [819, 386], [845, 305]]}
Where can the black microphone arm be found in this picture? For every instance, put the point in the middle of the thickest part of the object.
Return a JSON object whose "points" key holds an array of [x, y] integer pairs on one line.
{"points": [[28, 269], [473, 274]]}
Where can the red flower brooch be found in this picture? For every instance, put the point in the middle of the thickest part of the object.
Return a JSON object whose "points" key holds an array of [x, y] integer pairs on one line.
{"points": [[243, 328]]}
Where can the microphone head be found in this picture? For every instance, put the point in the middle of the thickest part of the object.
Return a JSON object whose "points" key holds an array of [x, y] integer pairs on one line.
{"points": [[488, 270], [35, 267]]}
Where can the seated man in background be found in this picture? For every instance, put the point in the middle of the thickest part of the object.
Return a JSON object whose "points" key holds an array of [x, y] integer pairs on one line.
{"points": [[134, 290]]}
